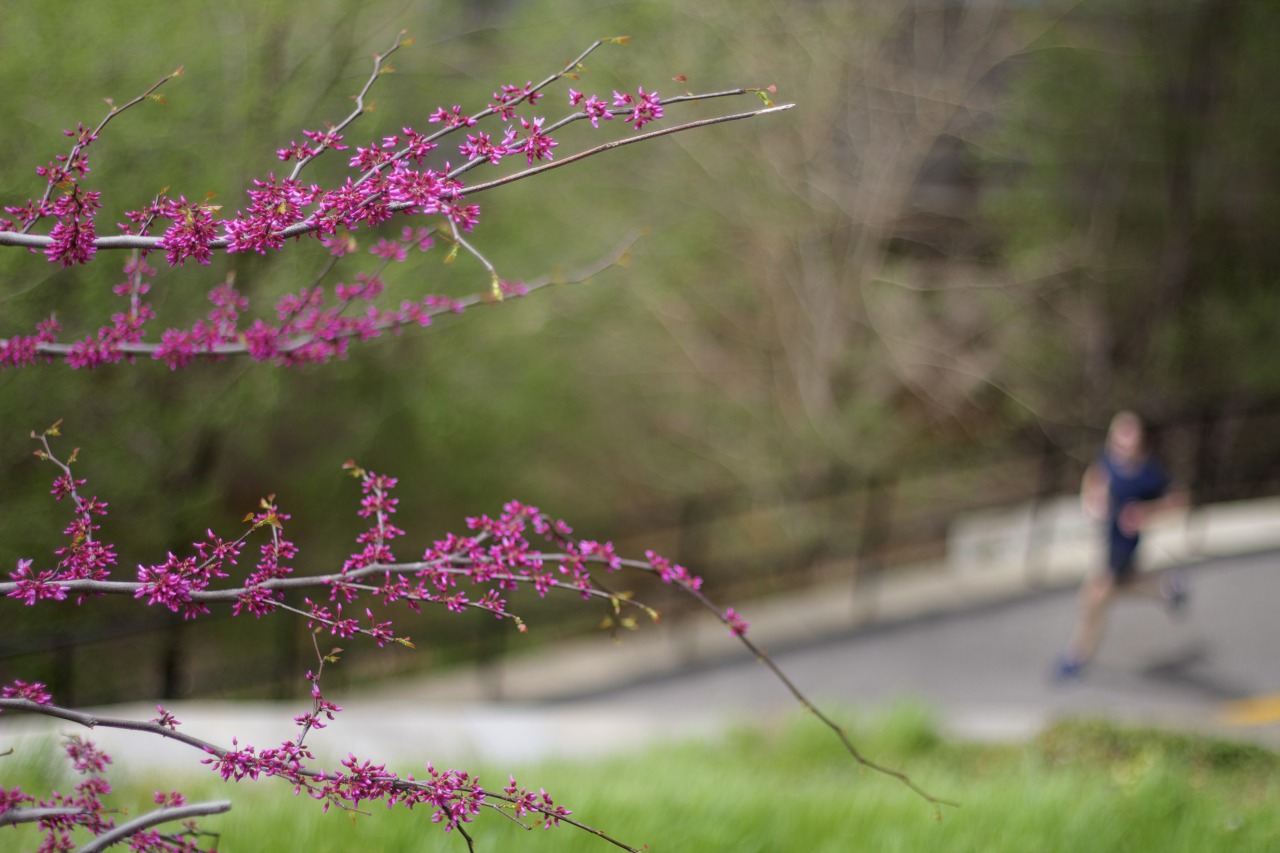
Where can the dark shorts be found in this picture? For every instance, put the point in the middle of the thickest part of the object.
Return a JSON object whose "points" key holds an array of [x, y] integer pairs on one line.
{"points": [[1121, 561]]}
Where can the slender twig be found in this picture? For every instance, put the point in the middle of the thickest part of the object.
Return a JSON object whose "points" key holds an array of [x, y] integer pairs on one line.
{"points": [[295, 773], [615, 112], [17, 815], [83, 139], [804, 701], [379, 60], [130, 241], [90, 721], [159, 816], [530, 286], [616, 143]]}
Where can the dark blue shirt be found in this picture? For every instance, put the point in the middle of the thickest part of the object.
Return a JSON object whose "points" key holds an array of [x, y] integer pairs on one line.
{"points": [[1145, 481]]}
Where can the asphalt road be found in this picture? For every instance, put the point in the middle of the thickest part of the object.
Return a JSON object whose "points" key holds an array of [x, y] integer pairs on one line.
{"points": [[986, 672]]}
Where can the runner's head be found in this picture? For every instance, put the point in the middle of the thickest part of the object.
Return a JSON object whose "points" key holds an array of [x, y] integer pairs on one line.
{"points": [[1126, 440]]}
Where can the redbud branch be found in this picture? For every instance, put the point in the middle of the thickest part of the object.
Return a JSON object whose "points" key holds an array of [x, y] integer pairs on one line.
{"points": [[48, 455], [82, 140], [315, 703], [570, 66], [159, 816], [609, 146], [134, 241], [102, 587], [617, 256], [562, 818], [496, 290], [378, 64], [804, 701], [19, 815], [459, 564], [92, 721], [444, 131], [617, 111]]}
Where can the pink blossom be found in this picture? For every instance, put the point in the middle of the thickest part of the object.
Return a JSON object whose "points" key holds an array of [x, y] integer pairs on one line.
{"points": [[737, 625], [36, 586], [481, 147], [389, 250], [536, 145], [647, 108], [34, 692], [593, 107], [190, 234], [451, 118]]}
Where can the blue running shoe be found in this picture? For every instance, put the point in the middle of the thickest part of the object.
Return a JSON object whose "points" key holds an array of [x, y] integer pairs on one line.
{"points": [[1067, 668]]}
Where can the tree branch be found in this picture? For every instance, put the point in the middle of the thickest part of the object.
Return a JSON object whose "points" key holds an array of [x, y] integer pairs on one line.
{"points": [[146, 821], [618, 143]]}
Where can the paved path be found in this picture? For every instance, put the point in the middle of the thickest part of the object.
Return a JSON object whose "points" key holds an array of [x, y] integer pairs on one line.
{"points": [[985, 670]]}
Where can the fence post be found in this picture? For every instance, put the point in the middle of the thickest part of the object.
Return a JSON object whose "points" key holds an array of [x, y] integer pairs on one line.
{"points": [[63, 676], [1038, 537], [877, 518], [171, 671], [288, 668], [691, 547]]}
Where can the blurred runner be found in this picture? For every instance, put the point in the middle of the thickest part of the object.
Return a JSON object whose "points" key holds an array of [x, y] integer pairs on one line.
{"points": [[1122, 489]]}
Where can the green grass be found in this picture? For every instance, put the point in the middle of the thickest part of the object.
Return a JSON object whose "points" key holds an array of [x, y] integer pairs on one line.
{"points": [[1079, 786]]}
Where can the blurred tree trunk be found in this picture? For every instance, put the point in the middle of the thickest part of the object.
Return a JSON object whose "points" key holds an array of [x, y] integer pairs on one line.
{"points": [[1205, 44], [1146, 165], [870, 269]]}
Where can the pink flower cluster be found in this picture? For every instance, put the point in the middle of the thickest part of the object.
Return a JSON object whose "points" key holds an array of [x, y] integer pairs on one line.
{"points": [[505, 101], [61, 816], [389, 178], [593, 107], [641, 109], [172, 583], [672, 573], [524, 802], [311, 325], [737, 625], [377, 504], [454, 796], [34, 692], [84, 558], [475, 571], [320, 140], [73, 233], [84, 805]]}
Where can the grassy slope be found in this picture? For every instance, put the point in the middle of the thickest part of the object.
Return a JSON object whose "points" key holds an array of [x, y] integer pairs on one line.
{"points": [[1079, 786]]}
